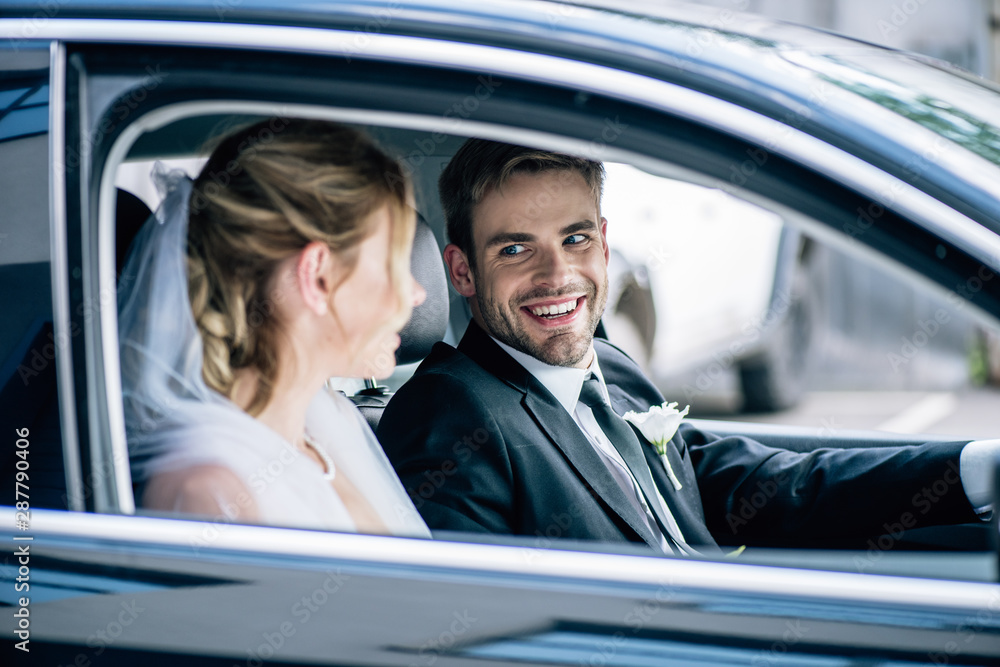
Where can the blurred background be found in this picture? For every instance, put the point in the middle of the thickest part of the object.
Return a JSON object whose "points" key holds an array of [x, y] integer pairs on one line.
{"points": [[851, 344]]}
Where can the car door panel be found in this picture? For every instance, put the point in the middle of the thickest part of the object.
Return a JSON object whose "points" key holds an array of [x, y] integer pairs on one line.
{"points": [[186, 587]]}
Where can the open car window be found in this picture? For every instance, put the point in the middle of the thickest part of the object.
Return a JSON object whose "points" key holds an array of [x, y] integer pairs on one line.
{"points": [[704, 283], [759, 225]]}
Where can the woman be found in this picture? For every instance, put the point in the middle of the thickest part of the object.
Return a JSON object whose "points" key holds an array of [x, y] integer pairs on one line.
{"points": [[284, 264]]}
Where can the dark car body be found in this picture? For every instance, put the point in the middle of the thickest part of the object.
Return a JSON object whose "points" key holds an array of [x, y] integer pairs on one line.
{"points": [[877, 150]]}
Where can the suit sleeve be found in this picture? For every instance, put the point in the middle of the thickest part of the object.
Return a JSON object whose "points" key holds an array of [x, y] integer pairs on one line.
{"points": [[449, 454], [751, 491]]}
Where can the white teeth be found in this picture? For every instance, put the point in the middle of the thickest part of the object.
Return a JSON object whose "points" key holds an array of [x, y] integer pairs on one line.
{"points": [[561, 309]]}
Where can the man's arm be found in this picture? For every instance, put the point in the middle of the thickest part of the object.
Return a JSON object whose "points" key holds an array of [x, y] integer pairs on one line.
{"points": [[449, 454], [753, 491]]}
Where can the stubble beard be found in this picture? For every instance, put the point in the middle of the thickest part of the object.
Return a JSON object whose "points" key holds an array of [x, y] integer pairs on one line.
{"points": [[559, 349]]}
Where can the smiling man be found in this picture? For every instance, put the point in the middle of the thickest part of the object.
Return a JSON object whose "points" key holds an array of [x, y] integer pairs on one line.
{"points": [[536, 287], [518, 430]]}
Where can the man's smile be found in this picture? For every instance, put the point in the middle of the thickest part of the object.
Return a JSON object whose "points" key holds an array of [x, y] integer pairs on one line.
{"points": [[555, 312]]}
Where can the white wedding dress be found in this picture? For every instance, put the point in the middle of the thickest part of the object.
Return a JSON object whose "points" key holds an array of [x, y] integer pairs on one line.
{"points": [[175, 422]]}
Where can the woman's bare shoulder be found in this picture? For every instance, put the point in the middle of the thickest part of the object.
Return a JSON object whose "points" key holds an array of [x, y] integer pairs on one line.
{"points": [[205, 489]]}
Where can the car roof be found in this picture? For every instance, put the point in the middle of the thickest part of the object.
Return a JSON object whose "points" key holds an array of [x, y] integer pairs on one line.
{"points": [[633, 27], [879, 104], [887, 107], [759, 63]]}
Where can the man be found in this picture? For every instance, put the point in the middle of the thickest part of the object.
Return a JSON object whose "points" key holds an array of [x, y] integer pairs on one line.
{"points": [[516, 431]]}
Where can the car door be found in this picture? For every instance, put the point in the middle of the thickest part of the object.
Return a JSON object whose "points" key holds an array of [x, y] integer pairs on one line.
{"points": [[110, 585]]}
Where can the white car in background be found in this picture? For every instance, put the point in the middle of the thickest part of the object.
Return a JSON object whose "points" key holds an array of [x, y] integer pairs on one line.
{"points": [[727, 286]]}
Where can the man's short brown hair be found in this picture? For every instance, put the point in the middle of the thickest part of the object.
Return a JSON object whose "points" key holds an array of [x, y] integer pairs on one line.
{"points": [[481, 166]]}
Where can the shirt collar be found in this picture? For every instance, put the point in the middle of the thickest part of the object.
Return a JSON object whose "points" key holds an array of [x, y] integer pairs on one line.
{"points": [[563, 382]]}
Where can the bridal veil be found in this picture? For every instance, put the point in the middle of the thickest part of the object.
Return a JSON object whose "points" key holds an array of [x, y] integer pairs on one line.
{"points": [[174, 421]]}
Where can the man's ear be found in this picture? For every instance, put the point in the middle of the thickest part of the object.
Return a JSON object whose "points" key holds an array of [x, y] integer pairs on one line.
{"points": [[604, 239], [314, 276], [459, 271]]}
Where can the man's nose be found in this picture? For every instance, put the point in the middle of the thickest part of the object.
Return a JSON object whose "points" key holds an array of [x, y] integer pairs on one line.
{"points": [[553, 268]]}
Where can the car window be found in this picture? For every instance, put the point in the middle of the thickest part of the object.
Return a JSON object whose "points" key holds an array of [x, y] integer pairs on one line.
{"points": [[759, 232], [28, 345]]}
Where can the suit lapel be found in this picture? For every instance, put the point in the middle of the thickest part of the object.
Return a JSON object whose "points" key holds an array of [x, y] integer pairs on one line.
{"points": [[564, 433], [558, 426]]}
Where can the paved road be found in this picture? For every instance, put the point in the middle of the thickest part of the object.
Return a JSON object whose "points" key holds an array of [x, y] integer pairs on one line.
{"points": [[971, 413]]}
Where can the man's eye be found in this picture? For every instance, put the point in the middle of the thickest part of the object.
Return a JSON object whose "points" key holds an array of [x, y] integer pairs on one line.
{"points": [[512, 250], [575, 238]]}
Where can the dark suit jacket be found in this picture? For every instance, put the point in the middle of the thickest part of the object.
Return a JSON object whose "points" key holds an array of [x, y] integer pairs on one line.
{"points": [[481, 445]]}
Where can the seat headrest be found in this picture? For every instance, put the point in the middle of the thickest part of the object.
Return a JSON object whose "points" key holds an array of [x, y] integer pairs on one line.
{"points": [[429, 321]]}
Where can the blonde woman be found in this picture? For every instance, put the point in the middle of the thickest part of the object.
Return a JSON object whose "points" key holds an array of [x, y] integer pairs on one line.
{"points": [[284, 263]]}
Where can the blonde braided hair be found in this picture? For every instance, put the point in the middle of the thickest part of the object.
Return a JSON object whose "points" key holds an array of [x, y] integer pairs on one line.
{"points": [[264, 194]]}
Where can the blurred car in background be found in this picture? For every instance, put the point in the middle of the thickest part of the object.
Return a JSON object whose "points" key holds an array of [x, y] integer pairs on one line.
{"points": [[727, 289]]}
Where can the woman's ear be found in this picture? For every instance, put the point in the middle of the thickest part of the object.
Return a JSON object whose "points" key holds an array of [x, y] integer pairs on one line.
{"points": [[459, 271], [314, 275]]}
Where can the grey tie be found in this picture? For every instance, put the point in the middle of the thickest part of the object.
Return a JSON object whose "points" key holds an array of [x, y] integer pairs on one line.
{"points": [[625, 441]]}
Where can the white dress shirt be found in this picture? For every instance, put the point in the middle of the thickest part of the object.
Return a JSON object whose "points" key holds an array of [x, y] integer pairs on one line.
{"points": [[565, 383]]}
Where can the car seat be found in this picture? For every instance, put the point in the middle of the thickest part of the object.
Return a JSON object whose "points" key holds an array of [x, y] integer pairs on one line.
{"points": [[427, 324]]}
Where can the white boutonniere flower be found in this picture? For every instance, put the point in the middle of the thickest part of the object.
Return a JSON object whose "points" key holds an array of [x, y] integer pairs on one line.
{"points": [[658, 425]]}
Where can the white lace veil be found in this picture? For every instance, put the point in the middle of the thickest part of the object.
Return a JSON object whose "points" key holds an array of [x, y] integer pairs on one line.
{"points": [[174, 420], [161, 350]]}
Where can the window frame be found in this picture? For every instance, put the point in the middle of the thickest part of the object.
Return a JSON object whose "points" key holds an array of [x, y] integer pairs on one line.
{"points": [[663, 100]]}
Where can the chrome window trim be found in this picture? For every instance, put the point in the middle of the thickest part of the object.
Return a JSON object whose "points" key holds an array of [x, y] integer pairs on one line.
{"points": [[50, 527], [60, 276], [783, 139]]}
